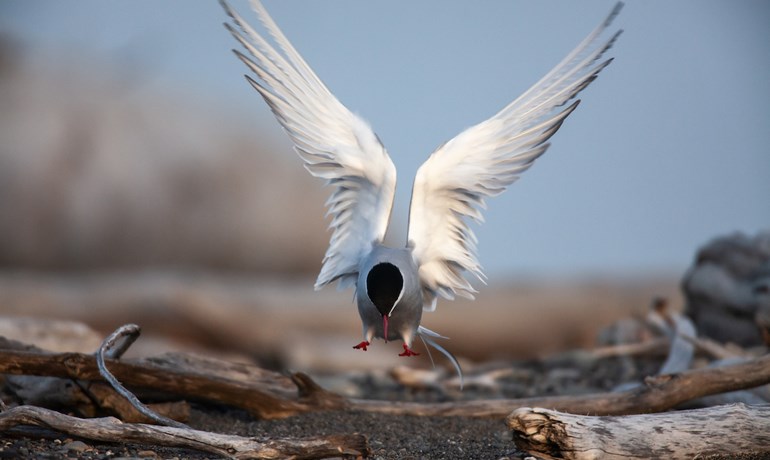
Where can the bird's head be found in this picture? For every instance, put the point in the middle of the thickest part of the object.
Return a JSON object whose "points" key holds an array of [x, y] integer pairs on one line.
{"points": [[385, 286]]}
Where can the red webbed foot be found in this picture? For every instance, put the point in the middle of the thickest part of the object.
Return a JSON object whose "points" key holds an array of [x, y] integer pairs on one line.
{"points": [[408, 352], [362, 345]]}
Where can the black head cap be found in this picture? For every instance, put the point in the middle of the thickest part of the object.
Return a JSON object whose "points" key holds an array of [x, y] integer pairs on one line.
{"points": [[383, 285]]}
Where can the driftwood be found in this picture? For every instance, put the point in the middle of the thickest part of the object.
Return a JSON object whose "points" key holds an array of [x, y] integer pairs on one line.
{"points": [[269, 395], [172, 432], [657, 394], [113, 347], [678, 328], [111, 429], [87, 399], [84, 398], [172, 375], [720, 430], [657, 346]]}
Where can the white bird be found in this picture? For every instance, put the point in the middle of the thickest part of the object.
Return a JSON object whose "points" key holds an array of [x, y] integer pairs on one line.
{"points": [[395, 285]]}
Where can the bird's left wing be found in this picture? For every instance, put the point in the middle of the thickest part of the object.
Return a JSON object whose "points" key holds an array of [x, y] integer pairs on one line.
{"points": [[335, 144], [480, 162]]}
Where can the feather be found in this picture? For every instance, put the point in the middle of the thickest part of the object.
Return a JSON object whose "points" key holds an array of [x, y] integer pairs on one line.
{"points": [[334, 143], [451, 187], [427, 336]]}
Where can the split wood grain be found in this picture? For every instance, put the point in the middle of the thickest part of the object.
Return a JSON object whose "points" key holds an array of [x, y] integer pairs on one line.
{"points": [[720, 430]]}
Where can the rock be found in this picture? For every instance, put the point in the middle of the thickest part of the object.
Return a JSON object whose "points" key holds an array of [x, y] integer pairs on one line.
{"points": [[77, 446], [727, 289]]}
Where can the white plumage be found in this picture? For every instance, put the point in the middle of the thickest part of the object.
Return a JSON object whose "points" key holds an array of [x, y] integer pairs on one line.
{"points": [[335, 144], [450, 188], [452, 185]]}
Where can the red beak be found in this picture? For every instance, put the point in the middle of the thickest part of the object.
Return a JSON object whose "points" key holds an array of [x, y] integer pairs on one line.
{"points": [[385, 326]]}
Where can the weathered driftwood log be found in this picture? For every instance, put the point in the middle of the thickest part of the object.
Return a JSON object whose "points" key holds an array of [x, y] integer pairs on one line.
{"points": [[269, 395], [657, 394], [84, 398], [113, 430], [720, 430], [174, 374]]}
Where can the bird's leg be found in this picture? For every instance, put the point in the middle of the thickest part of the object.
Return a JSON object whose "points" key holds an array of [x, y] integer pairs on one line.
{"points": [[368, 336], [408, 351]]}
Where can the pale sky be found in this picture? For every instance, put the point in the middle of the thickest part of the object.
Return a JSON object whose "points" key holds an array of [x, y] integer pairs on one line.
{"points": [[668, 149]]}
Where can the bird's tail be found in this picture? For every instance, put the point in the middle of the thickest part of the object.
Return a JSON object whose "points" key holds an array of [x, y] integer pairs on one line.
{"points": [[427, 336]]}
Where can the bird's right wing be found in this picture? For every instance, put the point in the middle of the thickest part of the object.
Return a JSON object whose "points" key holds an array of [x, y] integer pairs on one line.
{"points": [[335, 144]]}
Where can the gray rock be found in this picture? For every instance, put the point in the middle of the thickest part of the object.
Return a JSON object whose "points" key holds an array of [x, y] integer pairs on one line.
{"points": [[77, 446], [727, 288]]}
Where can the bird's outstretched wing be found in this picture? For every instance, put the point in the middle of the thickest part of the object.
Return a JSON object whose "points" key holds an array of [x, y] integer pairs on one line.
{"points": [[335, 144], [450, 188]]}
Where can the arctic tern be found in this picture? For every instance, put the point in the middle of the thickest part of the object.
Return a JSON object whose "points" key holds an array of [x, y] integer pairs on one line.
{"points": [[393, 286]]}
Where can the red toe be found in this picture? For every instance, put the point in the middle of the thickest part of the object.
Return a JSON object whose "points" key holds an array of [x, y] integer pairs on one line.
{"points": [[362, 345], [408, 352]]}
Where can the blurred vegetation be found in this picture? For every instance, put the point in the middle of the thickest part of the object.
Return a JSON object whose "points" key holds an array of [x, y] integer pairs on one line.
{"points": [[99, 173]]}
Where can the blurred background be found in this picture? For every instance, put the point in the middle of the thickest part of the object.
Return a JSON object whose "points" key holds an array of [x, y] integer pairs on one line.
{"points": [[143, 180]]}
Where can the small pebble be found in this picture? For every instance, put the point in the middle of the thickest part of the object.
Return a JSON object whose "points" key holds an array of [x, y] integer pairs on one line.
{"points": [[77, 446], [146, 453]]}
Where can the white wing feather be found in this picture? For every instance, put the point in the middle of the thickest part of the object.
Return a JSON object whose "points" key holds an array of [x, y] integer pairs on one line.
{"points": [[335, 144], [451, 186]]}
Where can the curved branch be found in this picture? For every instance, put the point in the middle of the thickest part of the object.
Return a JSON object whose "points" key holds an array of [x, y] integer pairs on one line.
{"points": [[127, 334]]}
